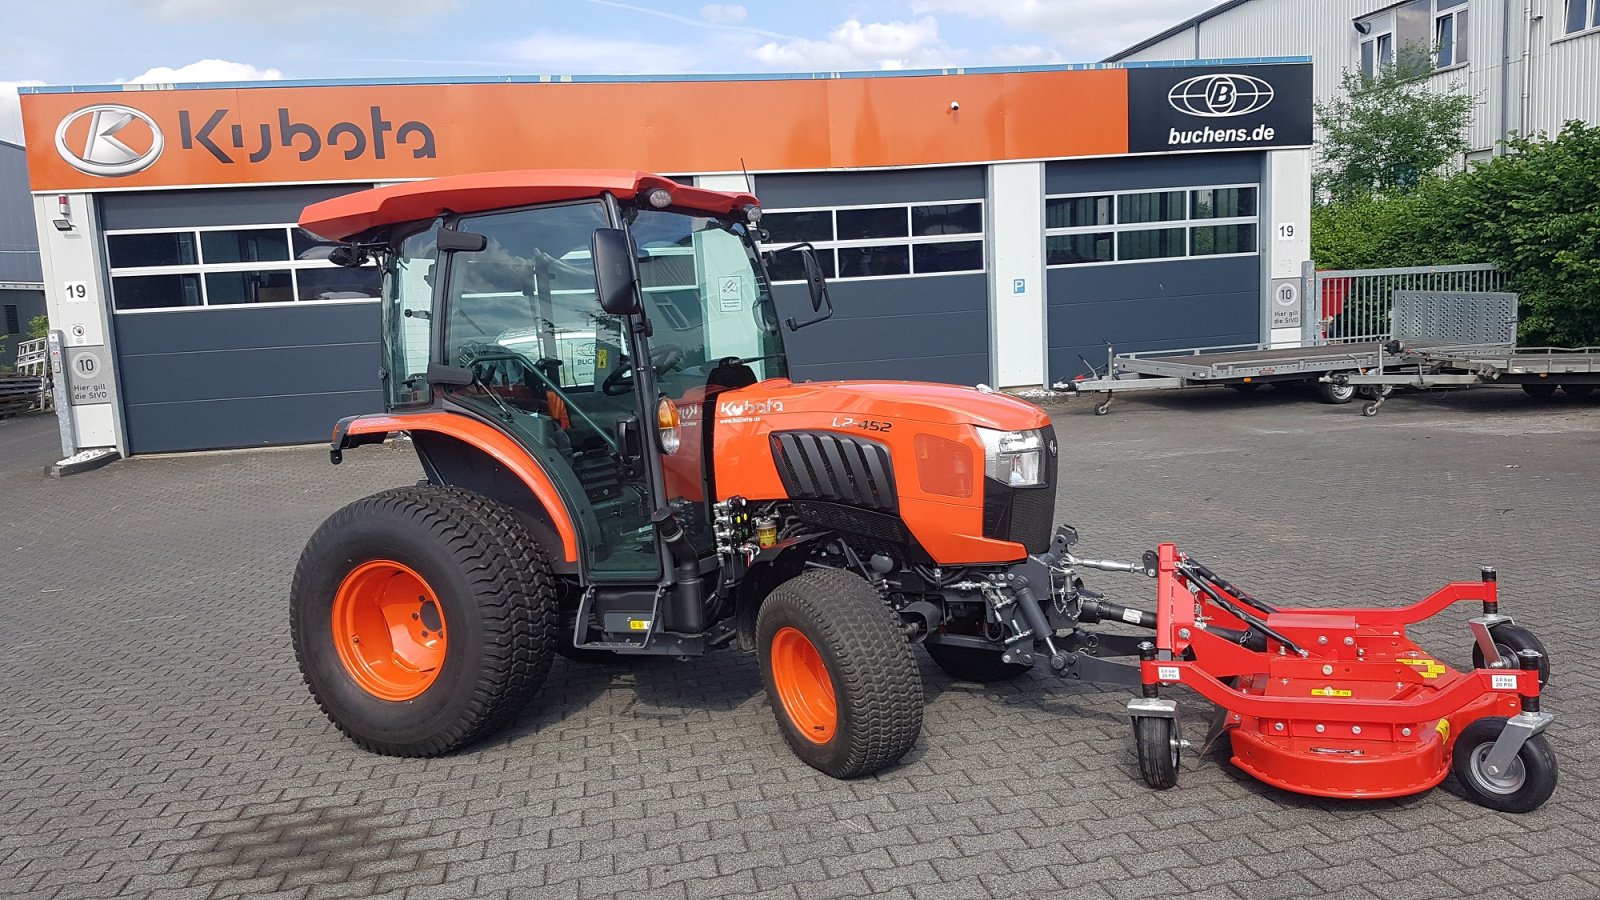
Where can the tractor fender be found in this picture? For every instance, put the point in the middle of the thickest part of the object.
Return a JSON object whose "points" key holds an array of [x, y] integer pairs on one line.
{"points": [[771, 567], [470, 454]]}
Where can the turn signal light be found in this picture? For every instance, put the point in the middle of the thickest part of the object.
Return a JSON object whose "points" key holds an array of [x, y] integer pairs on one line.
{"points": [[944, 466], [667, 425]]}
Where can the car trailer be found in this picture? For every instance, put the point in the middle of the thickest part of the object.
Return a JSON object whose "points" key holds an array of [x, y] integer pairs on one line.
{"points": [[1484, 321], [1242, 367], [1541, 371]]}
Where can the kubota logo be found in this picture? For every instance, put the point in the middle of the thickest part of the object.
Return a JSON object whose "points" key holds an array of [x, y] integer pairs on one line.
{"points": [[1219, 96], [109, 140]]}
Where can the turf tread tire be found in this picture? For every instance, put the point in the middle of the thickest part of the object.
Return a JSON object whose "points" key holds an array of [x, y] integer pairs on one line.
{"points": [[877, 685], [512, 603]]}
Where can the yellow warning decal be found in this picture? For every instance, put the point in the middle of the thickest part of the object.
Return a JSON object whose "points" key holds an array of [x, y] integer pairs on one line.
{"points": [[1329, 692], [1430, 668], [1444, 729], [639, 624], [600, 358]]}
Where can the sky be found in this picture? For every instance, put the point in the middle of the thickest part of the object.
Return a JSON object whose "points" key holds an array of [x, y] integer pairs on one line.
{"points": [[118, 41]]}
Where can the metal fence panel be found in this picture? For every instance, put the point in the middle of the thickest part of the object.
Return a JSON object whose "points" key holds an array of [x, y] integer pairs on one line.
{"points": [[1355, 305]]}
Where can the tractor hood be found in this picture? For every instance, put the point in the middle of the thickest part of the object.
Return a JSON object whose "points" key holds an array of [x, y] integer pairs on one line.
{"points": [[937, 404]]}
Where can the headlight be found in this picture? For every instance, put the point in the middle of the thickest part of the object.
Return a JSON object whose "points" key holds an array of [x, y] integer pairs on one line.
{"points": [[1013, 457]]}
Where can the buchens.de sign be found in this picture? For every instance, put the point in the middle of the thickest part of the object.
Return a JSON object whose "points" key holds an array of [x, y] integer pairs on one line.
{"points": [[1221, 108]]}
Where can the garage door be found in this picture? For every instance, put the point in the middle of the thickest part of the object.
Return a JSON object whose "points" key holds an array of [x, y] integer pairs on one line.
{"points": [[1147, 254], [230, 332], [904, 252]]}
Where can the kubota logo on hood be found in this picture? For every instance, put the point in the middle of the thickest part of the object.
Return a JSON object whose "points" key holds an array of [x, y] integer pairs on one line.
{"points": [[109, 140]]}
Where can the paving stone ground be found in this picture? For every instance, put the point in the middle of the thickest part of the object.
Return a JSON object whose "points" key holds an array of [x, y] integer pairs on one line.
{"points": [[158, 743]]}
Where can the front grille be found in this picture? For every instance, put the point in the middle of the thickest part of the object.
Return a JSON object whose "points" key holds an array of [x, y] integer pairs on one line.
{"points": [[820, 465], [1022, 514]]}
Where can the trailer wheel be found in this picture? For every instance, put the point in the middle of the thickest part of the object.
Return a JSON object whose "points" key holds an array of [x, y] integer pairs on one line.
{"points": [[423, 619], [1375, 391], [1336, 393], [1157, 742], [1509, 640], [1577, 391], [1540, 389], [1526, 784], [839, 674], [973, 664]]}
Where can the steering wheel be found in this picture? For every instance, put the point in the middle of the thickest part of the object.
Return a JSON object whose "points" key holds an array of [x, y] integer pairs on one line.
{"points": [[663, 358]]}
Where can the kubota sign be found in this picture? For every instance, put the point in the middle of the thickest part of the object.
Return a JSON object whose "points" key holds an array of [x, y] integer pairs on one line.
{"points": [[272, 134]]}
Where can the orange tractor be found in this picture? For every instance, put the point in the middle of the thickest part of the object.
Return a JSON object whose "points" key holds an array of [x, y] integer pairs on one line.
{"points": [[591, 368]]}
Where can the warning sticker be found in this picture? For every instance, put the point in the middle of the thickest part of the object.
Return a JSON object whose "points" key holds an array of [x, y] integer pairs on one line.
{"points": [[1443, 728], [1329, 692], [1427, 668]]}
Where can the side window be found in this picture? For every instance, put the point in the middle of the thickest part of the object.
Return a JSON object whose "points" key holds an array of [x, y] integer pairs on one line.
{"points": [[408, 311], [531, 291]]}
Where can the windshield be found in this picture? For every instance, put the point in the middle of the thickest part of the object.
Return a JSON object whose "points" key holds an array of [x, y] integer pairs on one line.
{"points": [[705, 293]]}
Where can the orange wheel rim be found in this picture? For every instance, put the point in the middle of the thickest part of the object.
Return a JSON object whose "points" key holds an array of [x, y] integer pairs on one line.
{"points": [[803, 685], [389, 630]]}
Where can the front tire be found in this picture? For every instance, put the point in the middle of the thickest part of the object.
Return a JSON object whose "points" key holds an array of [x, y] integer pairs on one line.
{"points": [[839, 673], [1525, 786], [423, 619], [1156, 742]]}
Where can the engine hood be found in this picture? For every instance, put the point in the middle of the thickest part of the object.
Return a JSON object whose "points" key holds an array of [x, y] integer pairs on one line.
{"points": [[916, 401]]}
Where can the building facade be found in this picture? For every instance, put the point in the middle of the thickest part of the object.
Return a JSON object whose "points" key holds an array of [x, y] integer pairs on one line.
{"points": [[993, 226], [21, 284], [1532, 64]]}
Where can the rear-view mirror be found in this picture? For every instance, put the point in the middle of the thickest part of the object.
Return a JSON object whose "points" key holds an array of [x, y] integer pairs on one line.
{"points": [[816, 284], [451, 241], [614, 272]]}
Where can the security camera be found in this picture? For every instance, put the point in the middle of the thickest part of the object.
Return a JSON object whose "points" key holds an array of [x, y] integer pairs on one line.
{"points": [[954, 105]]}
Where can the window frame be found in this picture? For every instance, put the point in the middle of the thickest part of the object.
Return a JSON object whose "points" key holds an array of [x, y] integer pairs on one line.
{"points": [[201, 268], [1458, 17], [910, 242], [1188, 223], [1591, 18]]}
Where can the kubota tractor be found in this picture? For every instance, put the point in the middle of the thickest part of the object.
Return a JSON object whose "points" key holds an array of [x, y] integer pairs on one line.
{"points": [[591, 368]]}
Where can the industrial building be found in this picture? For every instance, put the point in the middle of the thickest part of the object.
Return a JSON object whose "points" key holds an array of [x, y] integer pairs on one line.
{"points": [[1533, 65], [999, 226], [21, 284]]}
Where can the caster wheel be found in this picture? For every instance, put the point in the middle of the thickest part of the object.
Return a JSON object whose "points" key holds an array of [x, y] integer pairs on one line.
{"points": [[1525, 784], [1157, 742], [1509, 640], [1103, 408]]}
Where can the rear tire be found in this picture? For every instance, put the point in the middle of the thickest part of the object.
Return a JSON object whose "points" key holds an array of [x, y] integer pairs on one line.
{"points": [[1528, 783], [1541, 390], [972, 664], [1156, 741], [839, 673], [486, 601], [1336, 394]]}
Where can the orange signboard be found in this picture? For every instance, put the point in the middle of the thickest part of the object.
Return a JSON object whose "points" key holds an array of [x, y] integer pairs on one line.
{"points": [[282, 134]]}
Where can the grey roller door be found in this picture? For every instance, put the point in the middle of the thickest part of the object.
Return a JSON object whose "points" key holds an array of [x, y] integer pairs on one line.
{"points": [[220, 378], [1196, 301]]}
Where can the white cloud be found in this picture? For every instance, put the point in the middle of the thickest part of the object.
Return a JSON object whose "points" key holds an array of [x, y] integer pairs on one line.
{"points": [[380, 11], [11, 109], [1082, 29], [554, 52], [205, 70], [859, 45], [724, 13], [1024, 55]]}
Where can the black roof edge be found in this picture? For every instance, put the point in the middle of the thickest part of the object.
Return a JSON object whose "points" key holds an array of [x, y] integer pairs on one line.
{"points": [[1185, 25]]}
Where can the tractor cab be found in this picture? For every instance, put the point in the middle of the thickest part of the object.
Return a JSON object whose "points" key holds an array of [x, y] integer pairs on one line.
{"points": [[593, 320]]}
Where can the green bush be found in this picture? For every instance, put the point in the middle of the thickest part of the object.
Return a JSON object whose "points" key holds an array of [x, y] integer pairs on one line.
{"points": [[1534, 212]]}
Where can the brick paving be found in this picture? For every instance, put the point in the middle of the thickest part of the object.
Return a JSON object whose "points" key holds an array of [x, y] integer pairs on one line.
{"points": [[159, 743]]}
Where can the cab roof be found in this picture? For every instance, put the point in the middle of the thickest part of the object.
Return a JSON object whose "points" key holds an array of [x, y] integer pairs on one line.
{"points": [[368, 212]]}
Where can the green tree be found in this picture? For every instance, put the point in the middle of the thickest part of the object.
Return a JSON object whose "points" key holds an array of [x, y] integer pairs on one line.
{"points": [[1383, 133]]}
